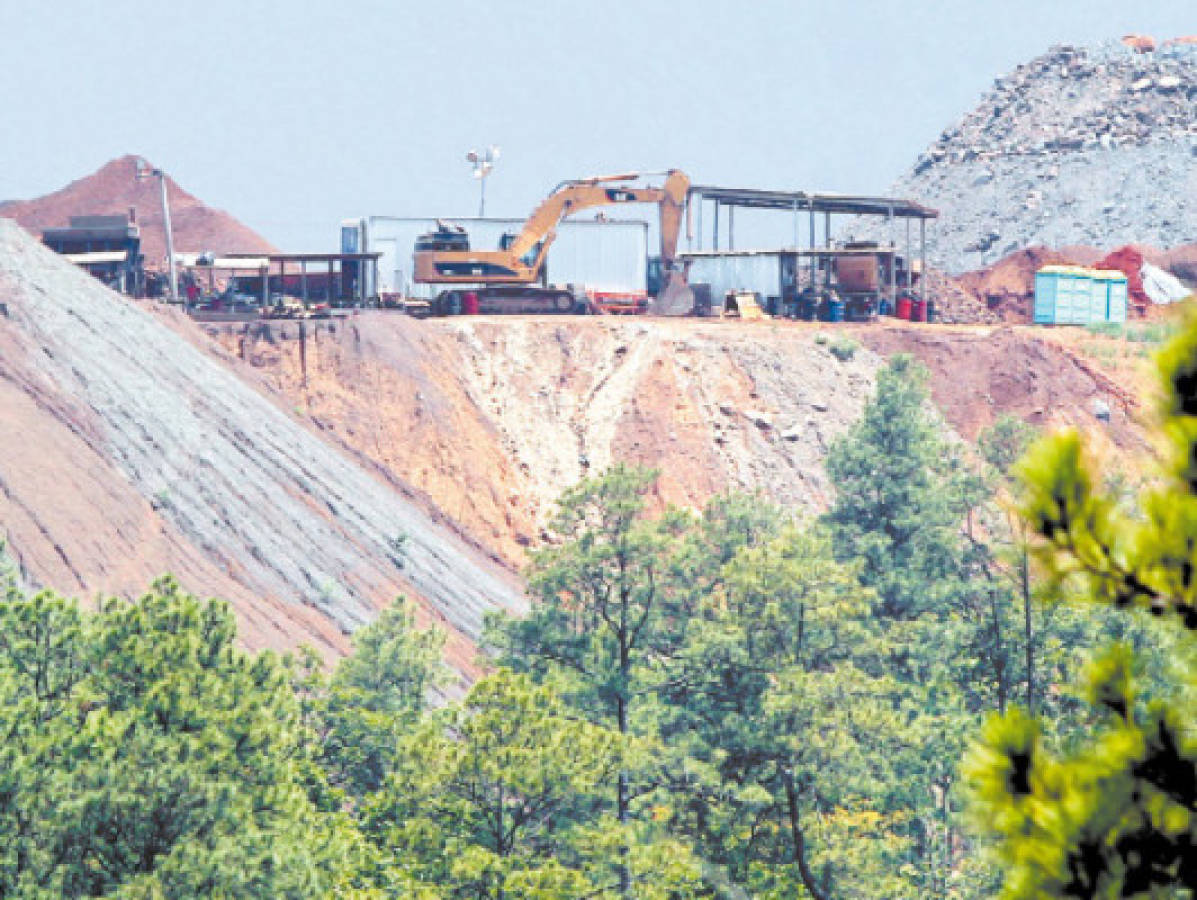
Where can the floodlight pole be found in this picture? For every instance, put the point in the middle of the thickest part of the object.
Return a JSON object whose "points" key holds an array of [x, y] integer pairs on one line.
{"points": [[170, 243], [482, 196], [143, 171]]}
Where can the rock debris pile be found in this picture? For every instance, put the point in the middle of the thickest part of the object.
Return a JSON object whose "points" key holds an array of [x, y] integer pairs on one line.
{"points": [[1093, 146], [1076, 99]]}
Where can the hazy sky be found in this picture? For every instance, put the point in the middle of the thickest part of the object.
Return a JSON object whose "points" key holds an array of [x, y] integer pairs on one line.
{"points": [[294, 115]]}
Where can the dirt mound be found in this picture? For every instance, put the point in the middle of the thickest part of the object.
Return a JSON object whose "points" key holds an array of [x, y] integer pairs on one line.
{"points": [[980, 374], [1008, 286], [114, 189], [130, 453]]}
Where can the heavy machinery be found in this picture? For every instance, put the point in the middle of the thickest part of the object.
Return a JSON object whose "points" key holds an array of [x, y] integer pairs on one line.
{"points": [[510, 279]]}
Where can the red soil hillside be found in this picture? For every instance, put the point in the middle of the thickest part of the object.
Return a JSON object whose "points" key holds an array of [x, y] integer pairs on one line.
{"points": [[114, 188]]}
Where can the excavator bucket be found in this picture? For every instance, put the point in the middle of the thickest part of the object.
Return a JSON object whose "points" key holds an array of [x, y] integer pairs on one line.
{"points": [[675, 299]]}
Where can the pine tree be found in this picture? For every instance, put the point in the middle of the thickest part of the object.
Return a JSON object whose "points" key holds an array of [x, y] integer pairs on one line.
{"points": [[1116, 816]]}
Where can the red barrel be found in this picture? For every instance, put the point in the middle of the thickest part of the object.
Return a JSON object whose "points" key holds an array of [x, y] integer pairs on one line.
{"points": [[469, 303], [903, 308], [918, 312]]}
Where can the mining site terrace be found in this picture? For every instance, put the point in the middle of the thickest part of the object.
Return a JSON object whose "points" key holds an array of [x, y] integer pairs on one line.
{"points": [[310, 470], [277, 464]]}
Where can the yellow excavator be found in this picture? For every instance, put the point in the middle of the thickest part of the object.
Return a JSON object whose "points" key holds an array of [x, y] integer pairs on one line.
{"points": [[510, 279]]}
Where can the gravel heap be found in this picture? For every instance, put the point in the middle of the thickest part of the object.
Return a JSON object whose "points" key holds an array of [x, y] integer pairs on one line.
{"points": [[1093, 146]]}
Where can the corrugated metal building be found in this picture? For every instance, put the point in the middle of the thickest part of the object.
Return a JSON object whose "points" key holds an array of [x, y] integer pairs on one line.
{"points": [[609, 255], [1071, 295], [761, 271]]}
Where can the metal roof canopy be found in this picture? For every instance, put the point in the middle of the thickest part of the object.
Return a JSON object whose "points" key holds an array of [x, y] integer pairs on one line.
{"points": [[839, 204], [818, 252], [308, 257], [97, 256]]}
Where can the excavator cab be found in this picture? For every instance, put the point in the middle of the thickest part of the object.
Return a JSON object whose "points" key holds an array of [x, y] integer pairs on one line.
{"points": [[529, 258], [446, 237]]}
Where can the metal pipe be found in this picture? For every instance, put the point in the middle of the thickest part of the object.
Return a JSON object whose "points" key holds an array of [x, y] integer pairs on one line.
{"points": [[811, 207], [924, 281], [827, 245], [893, 275], [731, 227], [907, 259], [715, 235]]}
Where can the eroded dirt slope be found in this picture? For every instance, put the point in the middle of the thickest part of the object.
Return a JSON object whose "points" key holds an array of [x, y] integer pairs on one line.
{"points": [[492, 418], [126, 452]]}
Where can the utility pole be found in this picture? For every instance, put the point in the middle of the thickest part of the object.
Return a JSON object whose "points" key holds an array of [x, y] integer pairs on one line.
{"points": [[144, 171]]}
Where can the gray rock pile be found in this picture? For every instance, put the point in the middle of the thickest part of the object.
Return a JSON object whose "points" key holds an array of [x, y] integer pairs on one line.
{"points": [[1079, 146], [1073, 99]]}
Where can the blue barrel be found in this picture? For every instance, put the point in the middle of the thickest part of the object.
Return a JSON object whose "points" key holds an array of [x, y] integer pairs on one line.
{"points": [[835, 310], [806, 309], [883, 308]]}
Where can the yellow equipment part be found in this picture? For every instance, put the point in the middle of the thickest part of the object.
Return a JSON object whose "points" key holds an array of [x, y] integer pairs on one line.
{"points": [[742, 305]]}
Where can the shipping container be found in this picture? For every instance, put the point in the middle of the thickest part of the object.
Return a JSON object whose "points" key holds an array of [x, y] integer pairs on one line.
{"points": [[1072, 295], [609, 255]]}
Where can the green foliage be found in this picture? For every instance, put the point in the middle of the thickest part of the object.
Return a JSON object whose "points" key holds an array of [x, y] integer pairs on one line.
{"points": [[1106, 329], [901, 494], [485, 796], [1116, 815], [1005, 442], [375, 696], [143, 753], [843, 348], [602, 588]]}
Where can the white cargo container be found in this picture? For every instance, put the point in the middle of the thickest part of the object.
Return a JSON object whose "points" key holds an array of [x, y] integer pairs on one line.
{"points": [[607, 256]]}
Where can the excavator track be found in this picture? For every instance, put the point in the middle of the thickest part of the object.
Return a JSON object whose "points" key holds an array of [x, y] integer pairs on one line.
{"points": [[510, 300]]}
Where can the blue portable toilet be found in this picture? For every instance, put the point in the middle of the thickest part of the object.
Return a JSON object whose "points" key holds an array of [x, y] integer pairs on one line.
{"points": [[1063, 296], [1046, 283], [1111, 285]]}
